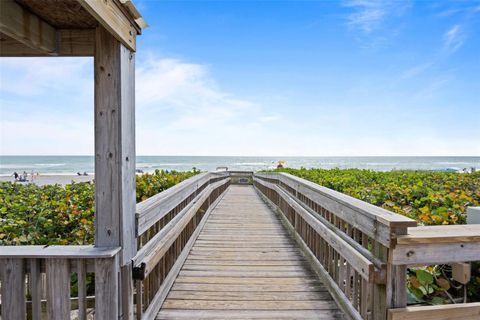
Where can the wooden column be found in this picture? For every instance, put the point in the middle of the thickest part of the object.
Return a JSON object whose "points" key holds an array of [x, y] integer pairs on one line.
{"points": [[115, 157], [396, 291]]}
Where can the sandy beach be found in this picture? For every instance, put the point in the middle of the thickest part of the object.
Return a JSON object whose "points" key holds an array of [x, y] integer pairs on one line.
{"points": [[52, 179]]}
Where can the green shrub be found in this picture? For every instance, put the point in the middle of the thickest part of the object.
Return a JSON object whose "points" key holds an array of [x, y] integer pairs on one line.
{"points": [[53, 214]]}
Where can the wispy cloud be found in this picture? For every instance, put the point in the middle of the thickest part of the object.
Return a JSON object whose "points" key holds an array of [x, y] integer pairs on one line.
{"points": [[369, 15], [49, 109], [453, 39]]}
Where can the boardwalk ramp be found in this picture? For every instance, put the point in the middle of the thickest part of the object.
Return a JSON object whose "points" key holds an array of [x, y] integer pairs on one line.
{"points": [[245, 265]]}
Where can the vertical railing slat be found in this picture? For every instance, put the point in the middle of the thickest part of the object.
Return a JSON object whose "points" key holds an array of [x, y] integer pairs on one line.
{"points": [[36, 288], [13, 288], [106, 290], [82, 289], [58, 289]]}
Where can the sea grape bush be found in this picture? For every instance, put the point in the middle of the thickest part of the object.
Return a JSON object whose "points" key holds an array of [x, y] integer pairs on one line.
{"points": [[431, 198], [54, 214]]}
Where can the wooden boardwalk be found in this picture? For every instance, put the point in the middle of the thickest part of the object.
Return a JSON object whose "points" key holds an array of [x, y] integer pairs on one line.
{"points": [[244, 265]]}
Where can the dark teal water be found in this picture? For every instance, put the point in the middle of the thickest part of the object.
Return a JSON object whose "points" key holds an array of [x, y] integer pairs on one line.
{"points": [[73, 164]]}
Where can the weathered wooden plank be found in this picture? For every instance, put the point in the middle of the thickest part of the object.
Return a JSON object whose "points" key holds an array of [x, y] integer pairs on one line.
{"points": [[249, 305], [61, 252], [264, 268], [441, 234], [106, 288], [231, 269], [12, 277], [36, 288], [434, 253], [248, 314], [112, 18], [461, 311], [58, 288], [249, 296], [242, 273], [305, 280], [274, 285], [82, 289], [76, 43], [27, 28]]}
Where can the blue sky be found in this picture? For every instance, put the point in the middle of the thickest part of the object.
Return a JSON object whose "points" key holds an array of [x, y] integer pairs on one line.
{"points": [[291, 78]]}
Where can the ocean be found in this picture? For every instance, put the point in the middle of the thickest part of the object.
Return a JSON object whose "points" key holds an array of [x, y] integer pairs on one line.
{"points": [[67, 165]]}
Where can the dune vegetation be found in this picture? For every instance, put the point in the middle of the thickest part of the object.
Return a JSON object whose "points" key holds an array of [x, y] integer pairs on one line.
{"points": [[55, 214]]}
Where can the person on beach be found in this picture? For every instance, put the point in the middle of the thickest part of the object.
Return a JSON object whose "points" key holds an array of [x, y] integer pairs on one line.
{"points": [[15, 175]]}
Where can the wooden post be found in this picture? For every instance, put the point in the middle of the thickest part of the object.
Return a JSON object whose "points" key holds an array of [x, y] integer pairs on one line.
{"points": [[396, 293], [115, 157]]}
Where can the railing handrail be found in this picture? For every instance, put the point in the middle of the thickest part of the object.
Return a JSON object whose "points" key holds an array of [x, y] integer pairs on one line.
{"points": [[382, 215], [428, 245], [377, 222], [150, 254], [58, 251], [149, 211]]}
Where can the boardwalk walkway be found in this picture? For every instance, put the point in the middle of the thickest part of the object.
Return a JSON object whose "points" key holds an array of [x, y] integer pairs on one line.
{"points": [[245, 265]]}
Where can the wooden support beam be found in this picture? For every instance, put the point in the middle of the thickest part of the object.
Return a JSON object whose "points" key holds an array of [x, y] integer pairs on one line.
{"points": [[460, 311], [112, 18], [71, 43], [114, 71], [76, 43], [27, 28]]}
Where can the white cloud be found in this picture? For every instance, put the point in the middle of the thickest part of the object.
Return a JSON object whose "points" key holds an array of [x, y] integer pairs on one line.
{"points": [[369, 15], [182, 110], [32, 77], [453, 38]]}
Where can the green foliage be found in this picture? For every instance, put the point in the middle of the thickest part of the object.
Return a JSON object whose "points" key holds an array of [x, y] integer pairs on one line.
{"points": [[431, 198], [54, 214], [150, 184], [426, 283]]}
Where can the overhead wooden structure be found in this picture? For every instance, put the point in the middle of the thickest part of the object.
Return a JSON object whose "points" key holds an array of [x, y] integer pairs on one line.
{"points": [[105, 30], [64, 27]]}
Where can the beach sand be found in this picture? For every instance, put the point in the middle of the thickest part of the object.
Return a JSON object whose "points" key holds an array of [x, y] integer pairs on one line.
{"points": [[52, 179]]}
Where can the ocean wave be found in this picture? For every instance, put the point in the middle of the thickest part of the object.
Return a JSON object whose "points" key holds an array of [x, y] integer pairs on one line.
{"points": [[251, 164], [50, 164]]}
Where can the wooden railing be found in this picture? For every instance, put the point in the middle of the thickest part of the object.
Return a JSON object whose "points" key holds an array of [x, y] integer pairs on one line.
{"points": [[43, 274], [455, 245], [362, 251], [167, 226]]}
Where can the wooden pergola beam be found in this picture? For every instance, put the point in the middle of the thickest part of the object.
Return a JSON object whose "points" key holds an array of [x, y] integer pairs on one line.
{"points": [[112, 18], [71, 43], [27, 28]]}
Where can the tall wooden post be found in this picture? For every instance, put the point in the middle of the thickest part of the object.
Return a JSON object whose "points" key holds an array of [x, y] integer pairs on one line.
{"points": [[115, 157], [396, 295]]}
